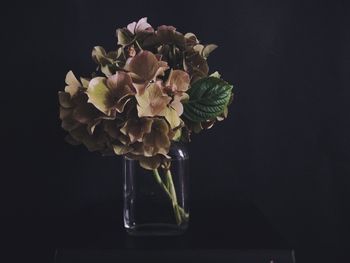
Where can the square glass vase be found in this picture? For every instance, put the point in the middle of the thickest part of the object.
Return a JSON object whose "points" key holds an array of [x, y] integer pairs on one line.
{"points": [[156, 200]]}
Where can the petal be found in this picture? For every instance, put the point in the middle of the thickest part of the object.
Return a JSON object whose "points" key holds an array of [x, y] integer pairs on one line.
{"points": [[124, 36], [131, 27], [85, 82], [99, 95], [142, 26], [84, 113], [120, 85], [99, 55], [172, 116], [121, 149], [153, 102], [151, 163], [71, 79], [208, 49], [169, 35], [65, 100], [144, 67], [191, 39], [65, 113], [120, 105], [177, 105], [198, 48], [71, 140], [179, 81], [136, 128], [111, 128], [73, 84], [157, 141], [92, 125]]}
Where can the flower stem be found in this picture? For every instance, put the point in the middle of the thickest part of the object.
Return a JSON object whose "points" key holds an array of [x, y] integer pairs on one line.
{"points": [[169, 189], [138, 45], [172, 191]]}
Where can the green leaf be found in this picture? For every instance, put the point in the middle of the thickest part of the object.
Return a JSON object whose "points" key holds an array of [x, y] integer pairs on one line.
{"points": [[208, 99]]}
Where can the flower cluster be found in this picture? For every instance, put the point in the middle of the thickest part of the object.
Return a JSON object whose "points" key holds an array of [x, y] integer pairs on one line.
{"points": [[152, 90]]}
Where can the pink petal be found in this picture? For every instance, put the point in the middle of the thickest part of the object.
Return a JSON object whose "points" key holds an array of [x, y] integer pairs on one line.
{"points": [[131, 27]]}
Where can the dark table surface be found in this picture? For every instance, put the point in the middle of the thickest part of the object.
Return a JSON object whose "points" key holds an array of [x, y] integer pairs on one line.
{"points": [[225, 225], [234, 231]]}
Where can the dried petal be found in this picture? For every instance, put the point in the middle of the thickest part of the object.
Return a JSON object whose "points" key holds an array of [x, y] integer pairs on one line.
{"points": [[157, 141], [172, 116], [73, 84], [178, 81], [65, 99], [143, 68], [99, 95], [135, 128], [151, 163], [110, 94], [153, 102]]}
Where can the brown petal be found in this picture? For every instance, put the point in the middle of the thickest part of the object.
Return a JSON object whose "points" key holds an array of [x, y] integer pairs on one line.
{"points": [[121, 149], [64, 99], [145, 67], [121, 88], [84, 113], [120, 85], [157, 141], [111, 128], [136, 128], [151, 163], [179, 81]]}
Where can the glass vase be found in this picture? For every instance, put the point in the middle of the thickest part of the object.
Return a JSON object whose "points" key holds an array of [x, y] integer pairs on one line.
{"points": [[156, 201]]}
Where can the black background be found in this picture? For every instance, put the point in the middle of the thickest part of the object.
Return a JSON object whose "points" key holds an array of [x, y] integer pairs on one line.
{"points": [[285, 147]]}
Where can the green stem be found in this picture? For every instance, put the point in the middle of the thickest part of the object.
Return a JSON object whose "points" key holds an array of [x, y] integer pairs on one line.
{"points": [[160, 182], [172, 191], [169, 189], [138, 45]]}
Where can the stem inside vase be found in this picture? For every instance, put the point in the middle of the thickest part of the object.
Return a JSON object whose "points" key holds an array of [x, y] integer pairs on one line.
{"points": [[169, 188]]}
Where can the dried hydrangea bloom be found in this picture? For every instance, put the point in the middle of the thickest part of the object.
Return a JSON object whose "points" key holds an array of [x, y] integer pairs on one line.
{"points": [[112, 94], [135, 109], [144, 68]]}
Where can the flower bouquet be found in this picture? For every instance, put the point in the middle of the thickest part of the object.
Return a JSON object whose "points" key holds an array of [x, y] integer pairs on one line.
{"points": [[150, 93]]}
